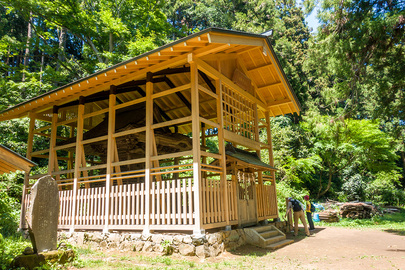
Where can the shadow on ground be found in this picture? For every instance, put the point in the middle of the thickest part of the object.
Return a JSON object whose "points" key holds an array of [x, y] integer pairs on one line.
{"points": [[301, 234], [397, 232]]}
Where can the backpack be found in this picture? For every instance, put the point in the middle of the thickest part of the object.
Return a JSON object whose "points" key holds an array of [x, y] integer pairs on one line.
{"points": [[296, 205], [312, 208]]}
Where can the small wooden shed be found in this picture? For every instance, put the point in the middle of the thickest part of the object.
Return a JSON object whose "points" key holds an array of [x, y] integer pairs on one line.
{"points": [[10, 161], [142, 145]]}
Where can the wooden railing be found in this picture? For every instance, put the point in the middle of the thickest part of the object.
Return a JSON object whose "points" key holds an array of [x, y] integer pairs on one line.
{"points": [[213, 203], [171, 205], [266, 201]]}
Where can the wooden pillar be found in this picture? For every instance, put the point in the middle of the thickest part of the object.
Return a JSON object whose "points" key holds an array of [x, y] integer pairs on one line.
{"points": [[195, 115], [221, 148], [148, 150], [259, 174], [70, 154], [30, 143], [52, 143], [78, 158], [110, 156], [271, 159]]}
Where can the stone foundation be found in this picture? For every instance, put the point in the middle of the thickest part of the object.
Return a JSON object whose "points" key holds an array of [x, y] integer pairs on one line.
{"points": [[208, 245]]}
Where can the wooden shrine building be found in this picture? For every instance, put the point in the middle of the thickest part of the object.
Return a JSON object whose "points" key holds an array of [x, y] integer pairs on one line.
{"points": [[168, 140]]}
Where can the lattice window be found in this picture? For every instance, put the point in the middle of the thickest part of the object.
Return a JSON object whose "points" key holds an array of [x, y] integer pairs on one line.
{"points": [[239, 113]]}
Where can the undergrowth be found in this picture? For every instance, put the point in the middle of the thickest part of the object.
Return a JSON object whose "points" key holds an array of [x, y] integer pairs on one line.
{"points": [[394, 223]]}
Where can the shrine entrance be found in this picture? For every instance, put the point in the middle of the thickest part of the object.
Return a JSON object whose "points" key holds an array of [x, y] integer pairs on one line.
{"points": [[246, 198]]}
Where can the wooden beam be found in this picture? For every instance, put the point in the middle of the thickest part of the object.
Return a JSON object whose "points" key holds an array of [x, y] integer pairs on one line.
{"points": [[221, 148], [148, 150], [238, 40], [52, 143], [195, 113], [217, 75], [179, 95], [110, 156], [30, 144], [235, 138], [78, 162], [278, 102]]}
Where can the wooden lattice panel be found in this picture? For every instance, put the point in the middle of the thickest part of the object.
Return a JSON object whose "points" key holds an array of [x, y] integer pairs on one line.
{"points": [[239, 113]]}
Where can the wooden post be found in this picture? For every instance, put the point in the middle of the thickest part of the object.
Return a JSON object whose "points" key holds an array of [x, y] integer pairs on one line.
{"points": [[259, 174], [70, 154], [148, 150], [195, 114], [221, 148], [289, 216], [271, 159], [52, 143], [78, 158], [30, 143], [110, 156]]}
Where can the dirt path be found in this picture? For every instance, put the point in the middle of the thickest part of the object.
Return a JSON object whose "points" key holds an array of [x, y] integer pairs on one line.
{"points": [[336, 248]]}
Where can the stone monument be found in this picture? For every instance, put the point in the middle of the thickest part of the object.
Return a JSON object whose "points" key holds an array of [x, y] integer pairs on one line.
{"points": [[43, 213]]}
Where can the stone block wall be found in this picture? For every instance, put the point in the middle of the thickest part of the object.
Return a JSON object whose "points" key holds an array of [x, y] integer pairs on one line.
{"points": [[208, 245]]}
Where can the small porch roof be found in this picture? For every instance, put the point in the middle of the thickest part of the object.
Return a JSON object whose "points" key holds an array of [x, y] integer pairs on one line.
{"points": [[246, 158], [10, 161]]}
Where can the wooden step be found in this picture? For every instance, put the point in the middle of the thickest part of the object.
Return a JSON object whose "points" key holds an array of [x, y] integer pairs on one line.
{"points": [[268, 234], [274, 239], [280, 244]]}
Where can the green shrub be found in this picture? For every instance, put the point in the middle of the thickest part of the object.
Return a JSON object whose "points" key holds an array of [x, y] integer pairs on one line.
{"points": [[10, 247], [9, 214], [384, 189], [285, 190]]}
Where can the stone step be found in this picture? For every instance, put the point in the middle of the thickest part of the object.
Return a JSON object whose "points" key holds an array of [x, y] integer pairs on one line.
{"points": [[280, 244], [273, 239], [268, 234], [263, 229]]}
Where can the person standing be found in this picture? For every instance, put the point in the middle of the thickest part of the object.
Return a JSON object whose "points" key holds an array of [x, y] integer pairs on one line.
{"points": [[298, 214], [309, 213]]}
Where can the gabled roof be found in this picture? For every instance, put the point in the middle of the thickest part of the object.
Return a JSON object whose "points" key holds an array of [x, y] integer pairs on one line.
{"points": [[254, 53], [10, 161]]}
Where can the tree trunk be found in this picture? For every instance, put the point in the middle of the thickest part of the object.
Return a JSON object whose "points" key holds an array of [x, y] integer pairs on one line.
{"points": [[328, 186], [41, 70], [27, 48], [62, 44], [111, 43]]}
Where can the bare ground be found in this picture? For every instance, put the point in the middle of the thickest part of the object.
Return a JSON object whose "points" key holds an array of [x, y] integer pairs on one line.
{"points": [[327, 248], [339, 248]]}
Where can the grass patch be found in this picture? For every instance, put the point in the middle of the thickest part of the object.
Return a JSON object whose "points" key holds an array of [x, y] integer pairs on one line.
{"points": [[393, 223], [10, 247]]}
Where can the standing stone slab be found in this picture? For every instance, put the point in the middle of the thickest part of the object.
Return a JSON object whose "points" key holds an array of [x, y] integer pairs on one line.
{"points": [[43, 213]]}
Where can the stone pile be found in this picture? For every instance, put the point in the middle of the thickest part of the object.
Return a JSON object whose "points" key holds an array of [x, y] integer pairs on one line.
{"points": [[357, 210], [281, 225], [208, 245]]}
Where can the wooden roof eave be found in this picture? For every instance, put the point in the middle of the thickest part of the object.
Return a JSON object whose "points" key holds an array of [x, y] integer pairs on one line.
{"points": [[249, 165], [11, 161], [208, 41], [292, 97]]}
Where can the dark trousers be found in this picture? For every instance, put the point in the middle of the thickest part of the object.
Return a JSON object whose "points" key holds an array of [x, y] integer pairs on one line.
{"points": [[310, 222]]}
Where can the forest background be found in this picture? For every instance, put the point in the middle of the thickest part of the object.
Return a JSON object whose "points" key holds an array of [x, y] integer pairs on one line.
{"points": [[349, 76]]}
